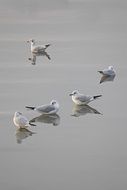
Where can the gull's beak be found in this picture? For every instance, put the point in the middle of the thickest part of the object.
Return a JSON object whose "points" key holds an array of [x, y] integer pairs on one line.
{"points": [[70, 94], [28, 41]]}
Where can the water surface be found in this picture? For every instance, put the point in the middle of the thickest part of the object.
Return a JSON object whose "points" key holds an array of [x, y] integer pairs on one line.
{"points": [[84, 152]]}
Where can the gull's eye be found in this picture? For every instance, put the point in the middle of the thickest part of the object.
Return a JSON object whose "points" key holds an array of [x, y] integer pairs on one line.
{"points": [[53, 103]]}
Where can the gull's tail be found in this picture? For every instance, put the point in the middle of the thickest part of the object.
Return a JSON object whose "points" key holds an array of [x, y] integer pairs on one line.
{"points": [[47, 45], [30, 107], [95, 97], [101, 72], [31, 124]]}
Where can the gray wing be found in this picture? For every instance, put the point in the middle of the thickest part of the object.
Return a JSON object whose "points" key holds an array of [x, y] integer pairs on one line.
{"points": [[83, 98], [22, 121], [108, 72], [45, 109]]}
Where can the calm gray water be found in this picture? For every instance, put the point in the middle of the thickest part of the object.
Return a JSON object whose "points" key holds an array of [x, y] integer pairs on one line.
{"points": [[66, 153]]}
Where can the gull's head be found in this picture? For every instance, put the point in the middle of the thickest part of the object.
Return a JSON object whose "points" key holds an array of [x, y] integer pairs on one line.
{"points": [[110, 67], [75, 92], [17, 114], [54, 103], [31, 41]]}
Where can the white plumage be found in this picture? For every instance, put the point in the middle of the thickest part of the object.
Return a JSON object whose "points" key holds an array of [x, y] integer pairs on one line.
{"points": [[21, 121], [37, 48], [109, 71], [81, 99], [51, 108]]}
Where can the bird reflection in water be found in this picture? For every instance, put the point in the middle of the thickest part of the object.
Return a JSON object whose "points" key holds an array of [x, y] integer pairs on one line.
{"points": [[106, 78], [53, 119], [83, 110], [35, 55], [22, 133]]}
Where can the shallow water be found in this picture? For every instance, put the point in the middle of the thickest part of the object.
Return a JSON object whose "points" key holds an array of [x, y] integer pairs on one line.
{"points": [[83, 152]]}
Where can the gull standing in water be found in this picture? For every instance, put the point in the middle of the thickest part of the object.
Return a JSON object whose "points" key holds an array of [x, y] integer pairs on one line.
{"points": [[110, 71], [51, 108], [81, 99], [21, 121], [37, 48]]}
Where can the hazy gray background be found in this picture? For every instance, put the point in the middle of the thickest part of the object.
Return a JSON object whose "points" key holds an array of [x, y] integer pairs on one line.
{"points": [[87, 152]]}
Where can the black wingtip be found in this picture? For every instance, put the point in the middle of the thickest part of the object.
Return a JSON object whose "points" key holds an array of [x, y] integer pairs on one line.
{"points": [[97, 96], [32, 124], [30, 107], [100, 72], [47, 45]]}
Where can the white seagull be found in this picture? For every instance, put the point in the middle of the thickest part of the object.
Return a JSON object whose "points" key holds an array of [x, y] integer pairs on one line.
{"points": [[21, 121], [110, 71], [81, 99], [39, 48], [51, 108]]}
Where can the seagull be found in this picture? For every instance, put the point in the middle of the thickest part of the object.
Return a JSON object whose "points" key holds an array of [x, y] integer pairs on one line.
{"points": [[51, 108], [21, 121], [81, 99], [110, 71], [39, 48]]}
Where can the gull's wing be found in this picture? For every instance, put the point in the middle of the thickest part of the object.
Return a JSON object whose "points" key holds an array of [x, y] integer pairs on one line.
{"points": [[83, 98], [22, 121], [105, 72], [108, 72], [45, 108]]}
